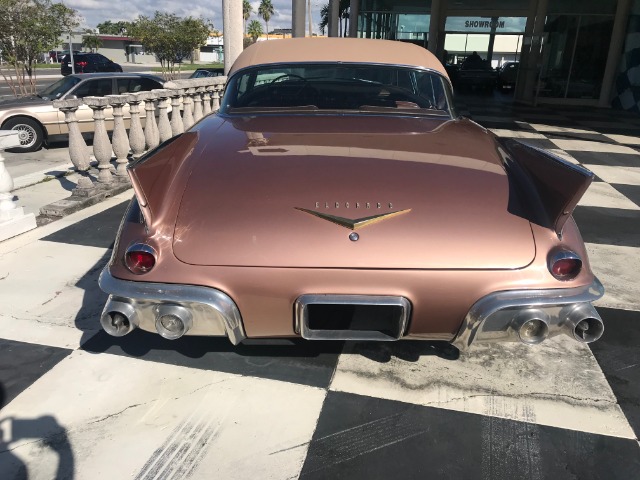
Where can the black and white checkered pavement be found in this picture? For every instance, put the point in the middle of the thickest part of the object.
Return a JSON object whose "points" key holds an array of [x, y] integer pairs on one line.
{"points": [[80, 404]]}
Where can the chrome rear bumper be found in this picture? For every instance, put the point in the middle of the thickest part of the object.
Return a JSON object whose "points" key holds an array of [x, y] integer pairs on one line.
{"points": [[201, 310], [531, 316]]}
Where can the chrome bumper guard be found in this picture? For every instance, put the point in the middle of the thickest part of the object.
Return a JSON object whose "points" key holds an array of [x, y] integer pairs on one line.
{"points": [[202, 310], [531, 316]]}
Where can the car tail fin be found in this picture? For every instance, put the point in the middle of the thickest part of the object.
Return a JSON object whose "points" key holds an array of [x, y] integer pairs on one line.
{"points": [[559, 184], [157, 177]]}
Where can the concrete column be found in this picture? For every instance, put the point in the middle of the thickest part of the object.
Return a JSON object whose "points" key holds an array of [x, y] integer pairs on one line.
{"points": [[298, 13], [119, 137], [136, 134], [164, 127], [78, 150], [615, 51], [232, 29], [13, 220], [532, 67], [524, 51], [206, 101], [101, 144], [354, 12], [151, 133], [334, 18], [434, 24], [492, 38], [187, 112], [197, 108], [177, 125], [216, 98]]}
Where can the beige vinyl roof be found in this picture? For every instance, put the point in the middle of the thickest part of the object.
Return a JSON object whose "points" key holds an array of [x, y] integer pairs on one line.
{"points": [[323, 49]]}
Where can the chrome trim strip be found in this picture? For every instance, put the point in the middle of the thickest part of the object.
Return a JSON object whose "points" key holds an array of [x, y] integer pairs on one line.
{"points": [[477, 321], [302, 316], [214, 312]]}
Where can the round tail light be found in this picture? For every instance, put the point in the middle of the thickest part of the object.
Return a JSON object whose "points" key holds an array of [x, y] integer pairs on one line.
{"points": [[140, 258], [565, 265]]}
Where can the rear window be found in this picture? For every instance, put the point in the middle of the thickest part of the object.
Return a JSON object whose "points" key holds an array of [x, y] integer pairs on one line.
{"points": [[97, 87], [354, 87], [132, 85]]}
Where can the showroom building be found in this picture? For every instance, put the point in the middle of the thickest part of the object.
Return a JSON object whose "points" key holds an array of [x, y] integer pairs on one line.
{"points": [[582, 52]]}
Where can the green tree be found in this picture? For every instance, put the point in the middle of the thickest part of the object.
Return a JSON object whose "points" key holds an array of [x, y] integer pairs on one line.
{"points": [[170, 38], [254, 30], [27, 29], [266, 11], [114, 28], [91, 41], [247, 10]]}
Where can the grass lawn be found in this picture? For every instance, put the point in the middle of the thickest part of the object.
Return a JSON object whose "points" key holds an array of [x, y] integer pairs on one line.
{"points": [[192, 66]]}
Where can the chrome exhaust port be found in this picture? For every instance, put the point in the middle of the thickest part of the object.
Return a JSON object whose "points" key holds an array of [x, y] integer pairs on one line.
{"points": [[118, 318], [583, 323], [173, 321], [531, 326]]}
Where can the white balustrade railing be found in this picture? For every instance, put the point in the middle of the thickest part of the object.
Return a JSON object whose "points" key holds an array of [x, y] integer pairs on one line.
{"points": [[141, 122]]}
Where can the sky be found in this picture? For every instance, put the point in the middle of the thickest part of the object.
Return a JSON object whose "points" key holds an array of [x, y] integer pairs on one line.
{"points": [[97, 11]]}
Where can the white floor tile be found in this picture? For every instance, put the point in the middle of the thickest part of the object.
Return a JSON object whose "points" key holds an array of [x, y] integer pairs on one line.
{"points": [[590, 146], [621, 175], [602, 194], [126, 418]]}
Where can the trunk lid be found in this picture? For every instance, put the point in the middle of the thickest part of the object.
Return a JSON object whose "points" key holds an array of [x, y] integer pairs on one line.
{"points": [[265, 192]]}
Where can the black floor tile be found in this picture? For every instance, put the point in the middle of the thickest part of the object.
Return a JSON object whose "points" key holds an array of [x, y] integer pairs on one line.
{"points": [[538, 143], [302, 362], [96, 231], [361, 437], [609, 226], [606, 158], [632, 192], [618, 354], [22, 364]]}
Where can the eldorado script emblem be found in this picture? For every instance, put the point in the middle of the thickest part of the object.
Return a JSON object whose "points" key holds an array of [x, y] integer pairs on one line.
{"points": [[356, 223]]}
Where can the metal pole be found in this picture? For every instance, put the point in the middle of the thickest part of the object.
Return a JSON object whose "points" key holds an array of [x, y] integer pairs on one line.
{"points": [[73, 64]]}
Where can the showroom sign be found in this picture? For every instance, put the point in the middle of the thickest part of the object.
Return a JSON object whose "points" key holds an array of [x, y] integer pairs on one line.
{"points": [[485, 24]]}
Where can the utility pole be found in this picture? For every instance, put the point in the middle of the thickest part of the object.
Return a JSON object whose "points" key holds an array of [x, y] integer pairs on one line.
{"points": [[309, 14]]}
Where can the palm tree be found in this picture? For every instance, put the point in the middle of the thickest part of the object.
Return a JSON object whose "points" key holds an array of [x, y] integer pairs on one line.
{"points": [[265, 10], [343, 13], [255, 29], [247, 10]]}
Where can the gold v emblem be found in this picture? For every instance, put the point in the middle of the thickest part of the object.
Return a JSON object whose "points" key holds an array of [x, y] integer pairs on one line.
{"points": [[356, 223]]}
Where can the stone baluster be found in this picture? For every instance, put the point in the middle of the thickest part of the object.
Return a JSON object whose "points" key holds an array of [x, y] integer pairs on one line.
{"points": [[101, 145], [206, 102], [216, 99], [177, 126], [13, 220], [119, 138], [164, 127], [78, 150], [136, 134], [151, 133], [197, 110], [187, 114]]}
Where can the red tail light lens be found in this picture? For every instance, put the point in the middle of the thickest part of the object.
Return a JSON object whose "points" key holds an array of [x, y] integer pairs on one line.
{"points": [[82, 64], [140, 258], [565, 265]]}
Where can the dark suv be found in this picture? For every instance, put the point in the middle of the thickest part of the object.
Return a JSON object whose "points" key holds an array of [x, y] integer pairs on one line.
{"points": [[88, 63]]}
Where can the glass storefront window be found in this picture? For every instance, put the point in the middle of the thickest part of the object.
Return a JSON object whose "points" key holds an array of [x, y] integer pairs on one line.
{"points": [[582, 7], [574, 55]]}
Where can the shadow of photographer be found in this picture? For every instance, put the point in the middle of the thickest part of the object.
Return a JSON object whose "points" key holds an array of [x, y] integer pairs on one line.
{"points": [[47, 434]]}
